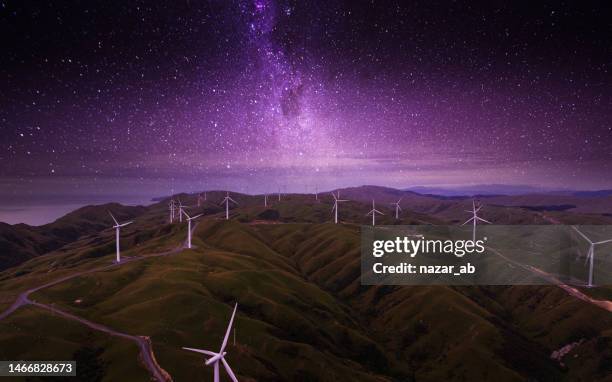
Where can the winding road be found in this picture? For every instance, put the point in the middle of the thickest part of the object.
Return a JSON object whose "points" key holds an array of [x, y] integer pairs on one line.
{"points": [[147, 356]]}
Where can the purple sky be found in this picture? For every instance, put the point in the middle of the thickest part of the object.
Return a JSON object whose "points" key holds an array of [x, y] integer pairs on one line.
{"points": [[118, 99]]}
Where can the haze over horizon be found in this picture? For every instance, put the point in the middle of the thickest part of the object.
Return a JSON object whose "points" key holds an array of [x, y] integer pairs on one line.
{"points": [[142, 100]]}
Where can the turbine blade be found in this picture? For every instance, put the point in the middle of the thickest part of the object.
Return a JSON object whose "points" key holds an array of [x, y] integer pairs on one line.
{"points": [[334, 196], [469, 220], [124, 224], [229, 329], [377, 211], [478, 209], [197, 216], [232, 200], [185, 213], [581, 234], [483, 220], [212, 354], [589, 254], [603, 242], [229, 370], [115, 220]]}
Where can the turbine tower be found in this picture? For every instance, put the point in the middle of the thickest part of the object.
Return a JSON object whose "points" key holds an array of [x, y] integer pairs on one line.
{"points": [[279, 193], [591, 253], [475, 218], [189, 219], [265, 200], [226, 200], [335, 209], [199, 199], [219, 357], [117, 228], [373, 212], [397, 208]]}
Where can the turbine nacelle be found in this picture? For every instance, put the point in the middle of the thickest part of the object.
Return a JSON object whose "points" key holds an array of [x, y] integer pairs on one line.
{"points": [[216, 358], [190, 217], [122, 225], [117, 225]]}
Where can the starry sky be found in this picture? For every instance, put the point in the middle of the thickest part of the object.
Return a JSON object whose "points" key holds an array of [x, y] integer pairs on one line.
{"points": [[140, 99]]}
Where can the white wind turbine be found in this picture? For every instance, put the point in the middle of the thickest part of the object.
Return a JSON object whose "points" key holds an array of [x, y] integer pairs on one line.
{"points": [[265, 200], [335, 209], [397, 208], [475, 218], [279, 193], [181, 206], [226, 200], [189, 219], [373, 212], [117, 228], [171, 207], [591, 253], [199, 199], [215, 358]]}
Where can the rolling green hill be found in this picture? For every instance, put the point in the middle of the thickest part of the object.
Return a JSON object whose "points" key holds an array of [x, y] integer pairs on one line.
{"points": [[303, 314]]}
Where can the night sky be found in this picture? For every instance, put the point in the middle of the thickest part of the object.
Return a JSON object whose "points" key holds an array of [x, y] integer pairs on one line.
{"points": [[137, 98]]}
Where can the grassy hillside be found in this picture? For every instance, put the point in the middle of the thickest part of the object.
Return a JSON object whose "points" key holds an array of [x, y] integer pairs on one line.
{"points": [[303, 314], [21, 242]]}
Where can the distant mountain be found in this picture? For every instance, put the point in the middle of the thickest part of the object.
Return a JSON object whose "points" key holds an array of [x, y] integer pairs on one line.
{"points": [[593, 194], [485, 189]]}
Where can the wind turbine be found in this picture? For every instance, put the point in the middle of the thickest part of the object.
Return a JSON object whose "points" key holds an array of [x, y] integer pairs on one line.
{"points": [[373, 212], [117, 228], [265, 200], [199, 199], [475, 218], [215, 358], [335, 209], [189, 219], [171, 207], [181, 207], [226, 200], [279, 193], [397, 208], [591, 253], [317, 193]]}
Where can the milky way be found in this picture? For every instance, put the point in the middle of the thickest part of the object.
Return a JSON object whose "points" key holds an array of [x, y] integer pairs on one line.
{"points": [[258, 95]]}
